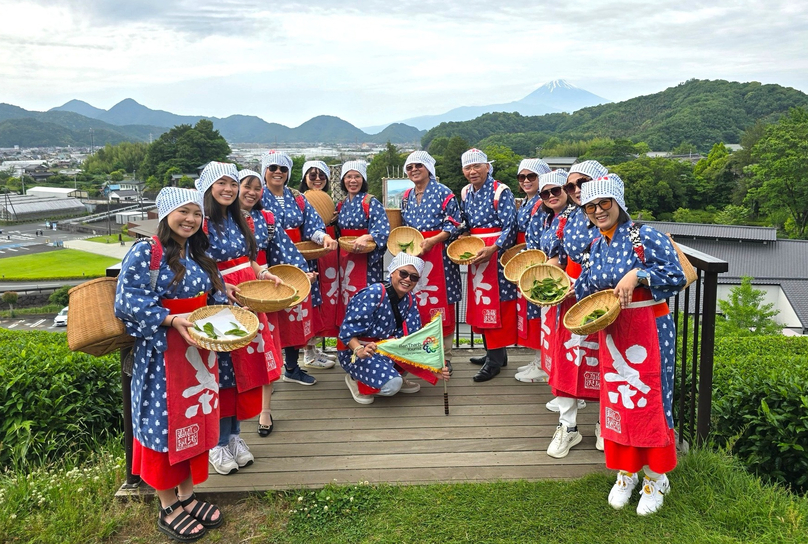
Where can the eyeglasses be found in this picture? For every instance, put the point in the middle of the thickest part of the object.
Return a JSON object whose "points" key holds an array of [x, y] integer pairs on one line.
{"points": [[315, 175], [413, 165], [555, 191], [604, 205], [275, 167], [413, 277], [569, 188], [530, 177]]}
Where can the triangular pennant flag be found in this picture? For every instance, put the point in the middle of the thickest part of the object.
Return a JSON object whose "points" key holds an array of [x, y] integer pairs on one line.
{"points": [[422, 349]]}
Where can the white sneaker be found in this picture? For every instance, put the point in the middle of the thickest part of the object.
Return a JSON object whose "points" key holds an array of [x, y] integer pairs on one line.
{"points": [[240, 452], [533, 374], [320, 360], [598, 438], [562, 441], [222, 460], [652, 494], [409, 387], [554, 407], [354, 389], [312, 351], [621, 490], [535, 362]]}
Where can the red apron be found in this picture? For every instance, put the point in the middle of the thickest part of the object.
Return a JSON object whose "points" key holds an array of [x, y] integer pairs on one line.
{"points": [[631, 404], [295, 325], [528, 331], [192, 390], [482, 303], [430, 293], [574, 370], [353, 273], [326, 313]]}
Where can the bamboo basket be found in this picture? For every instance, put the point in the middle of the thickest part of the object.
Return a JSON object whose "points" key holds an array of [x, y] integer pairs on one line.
{"points": [[540, 272], [91, 323], [470, 244], [514, 268], [294, 277], [403, 235], [346, 244], [509, 253], [312, 251], [394, 217], [687, 266], [264, 296], [322, 203], [602, 300], [245, 317]]}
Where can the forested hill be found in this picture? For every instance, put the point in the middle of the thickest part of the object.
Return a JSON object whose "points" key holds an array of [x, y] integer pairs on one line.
{"points": [[699, 112]]}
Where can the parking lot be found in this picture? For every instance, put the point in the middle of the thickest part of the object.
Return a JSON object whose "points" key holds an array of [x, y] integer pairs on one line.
{"points": [[34, 323]]}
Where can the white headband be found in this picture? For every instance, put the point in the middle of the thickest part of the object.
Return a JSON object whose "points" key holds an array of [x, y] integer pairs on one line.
{"points": [[171, 198]]}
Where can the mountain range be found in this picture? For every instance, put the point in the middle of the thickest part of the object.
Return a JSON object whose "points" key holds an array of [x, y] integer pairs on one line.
{"points": [[553, 97]]}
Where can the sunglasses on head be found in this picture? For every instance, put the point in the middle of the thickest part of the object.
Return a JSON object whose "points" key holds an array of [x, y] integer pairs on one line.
{"points": [[530, 177], [315, 175], [605, 205], [569, 188], [555, 191], [413, 165], [275, 167], [403, 274]]}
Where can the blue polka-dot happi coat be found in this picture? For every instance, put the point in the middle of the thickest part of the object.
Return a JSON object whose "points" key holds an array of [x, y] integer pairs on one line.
{"points": [[352, 216]]}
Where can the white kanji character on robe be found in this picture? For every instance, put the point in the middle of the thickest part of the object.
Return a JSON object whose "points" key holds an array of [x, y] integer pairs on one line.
{"points": [[577, 347], [636, 355], [207, 386], [423, 289], [479, 285]]}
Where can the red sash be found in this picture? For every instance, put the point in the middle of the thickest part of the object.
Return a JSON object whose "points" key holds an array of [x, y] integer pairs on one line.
{"points": [[430, 293], [294, 235], [520, 238], [482, 307], [631, 404], [328, 267], [353, 274], [192, 390], [574, 370]]}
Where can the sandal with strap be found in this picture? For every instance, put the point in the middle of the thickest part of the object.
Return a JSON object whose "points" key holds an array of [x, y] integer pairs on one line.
{"points": [[264, 430], [179, 528], [203, 512]]}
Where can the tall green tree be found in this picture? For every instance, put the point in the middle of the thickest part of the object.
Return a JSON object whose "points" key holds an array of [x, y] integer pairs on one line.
{"points": [[449, 168], [744, 313], [656, 184], [506, 164], [715, 179], [385, 164], [781, 169]]}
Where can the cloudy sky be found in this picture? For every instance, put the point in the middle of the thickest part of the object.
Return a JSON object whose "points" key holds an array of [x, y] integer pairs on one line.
{"points": [[372, 61]]}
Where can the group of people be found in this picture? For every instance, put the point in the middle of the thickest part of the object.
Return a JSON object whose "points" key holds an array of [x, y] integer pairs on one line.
{"points": [[187, 403]]}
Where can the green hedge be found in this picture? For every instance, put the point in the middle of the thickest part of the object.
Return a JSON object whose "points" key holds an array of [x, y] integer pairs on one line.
{"points": [[760, 405], [54, 402]]}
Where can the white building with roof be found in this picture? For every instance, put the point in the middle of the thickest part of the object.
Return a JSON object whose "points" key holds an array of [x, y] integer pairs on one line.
{"points": [[56, 192]]}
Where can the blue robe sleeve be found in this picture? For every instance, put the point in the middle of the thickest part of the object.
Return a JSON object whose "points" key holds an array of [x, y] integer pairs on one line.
{"points": [[412, 317], [281, 250], [359, 316], [313, 226], [453, 218], [379, 228], [534, 231], [583, 286], [506, 211], [662, 263], [136, 304]]}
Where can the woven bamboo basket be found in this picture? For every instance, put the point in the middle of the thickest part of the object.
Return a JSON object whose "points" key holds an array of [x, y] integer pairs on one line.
{"points": [[602, 300], [687, 266], [540, 272], [346, 244], [264, 296], [514, 268], [311, 250], [404, 235], [248, 319], [91, 323], [467, 244], [394, 216], [510, 253], [322, 203], [294, 277]]}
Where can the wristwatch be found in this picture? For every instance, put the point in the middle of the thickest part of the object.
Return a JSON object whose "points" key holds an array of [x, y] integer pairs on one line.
{"points": [[643, 275]]}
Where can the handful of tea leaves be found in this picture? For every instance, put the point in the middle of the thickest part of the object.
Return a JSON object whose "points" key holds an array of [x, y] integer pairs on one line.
{"points": [[466, 255], [548, 290], [207, 330], [589, 318], [409, 245], [221, 326]]}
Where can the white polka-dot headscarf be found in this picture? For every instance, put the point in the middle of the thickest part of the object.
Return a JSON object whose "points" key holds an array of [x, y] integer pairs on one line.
{"points": [[475, 156], [403, 259], [275, 157], [591, 169], [609, 186], [537, 166], [171, 198], [243, 174], [213, 172], [358, 165], [556, 178], [320, 165], [421, 157]]}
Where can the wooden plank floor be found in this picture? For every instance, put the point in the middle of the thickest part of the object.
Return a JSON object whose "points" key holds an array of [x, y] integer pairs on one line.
{"points": [[497, 430]]}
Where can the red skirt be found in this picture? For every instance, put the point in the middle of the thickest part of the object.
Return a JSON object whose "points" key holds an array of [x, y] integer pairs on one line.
{"points": [[633, 459], [154, 468]]}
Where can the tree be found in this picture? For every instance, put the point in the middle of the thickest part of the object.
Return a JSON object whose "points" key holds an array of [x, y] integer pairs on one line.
{"points": [[782, 169], [448, 166], [10, 298], [185, 148], [715, 179], [743, 313], [60, 296], [732, 215], [658, 185], [384, 165], [506, 164]]}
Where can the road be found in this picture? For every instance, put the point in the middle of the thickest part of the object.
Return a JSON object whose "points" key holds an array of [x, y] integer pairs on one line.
{"points": [[33, 323], [22, 238]]}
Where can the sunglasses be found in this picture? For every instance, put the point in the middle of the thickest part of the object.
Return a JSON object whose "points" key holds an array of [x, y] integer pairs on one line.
{"points": [[530, 177], [569, 188], [555, 191], [413, 277], [275, 167], [412, 166], [316, 175], [604, 205]]}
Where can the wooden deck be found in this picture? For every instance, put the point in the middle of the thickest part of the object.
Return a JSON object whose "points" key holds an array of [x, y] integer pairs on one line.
{"points": [[497, 430]]}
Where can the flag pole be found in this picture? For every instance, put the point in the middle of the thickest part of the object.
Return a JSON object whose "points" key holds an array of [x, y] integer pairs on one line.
{"points": [[445, 396]]}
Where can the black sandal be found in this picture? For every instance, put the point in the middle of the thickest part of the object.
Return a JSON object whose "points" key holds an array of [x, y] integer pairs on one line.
{"points": [[180, 528], [264, 430], [203, 512]]}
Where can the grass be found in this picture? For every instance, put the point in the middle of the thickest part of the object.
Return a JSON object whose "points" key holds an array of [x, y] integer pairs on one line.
{"points": [[712, 500], [38, 310], [110, 239], [64, 264]]}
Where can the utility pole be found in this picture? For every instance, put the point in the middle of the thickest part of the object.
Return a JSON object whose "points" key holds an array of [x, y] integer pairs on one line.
{"points": [[92, 142]]}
